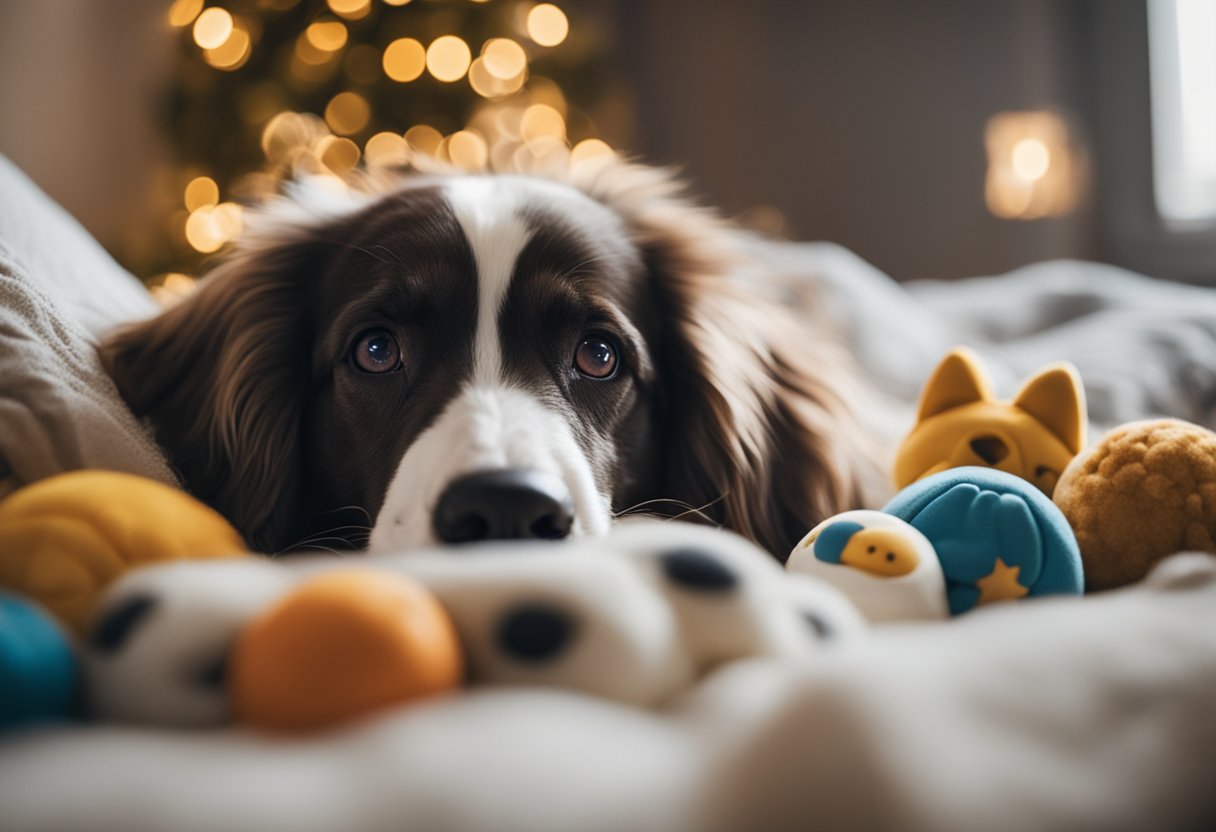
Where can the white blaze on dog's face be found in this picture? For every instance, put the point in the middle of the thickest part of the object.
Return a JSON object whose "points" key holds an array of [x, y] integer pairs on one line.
{"points": [[523, 446]]}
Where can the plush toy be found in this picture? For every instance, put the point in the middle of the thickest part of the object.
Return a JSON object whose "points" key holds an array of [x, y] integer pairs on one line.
{"points": [[885, 565], [1145, 491], [997, 537], [38, 673], [637, 617], [341, 645], [64, 539], [944, 545], [158, 648], [959, 422]]}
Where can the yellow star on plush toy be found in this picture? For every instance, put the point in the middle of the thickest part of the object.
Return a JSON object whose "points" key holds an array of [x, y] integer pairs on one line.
{"points": [[1001, 584]]}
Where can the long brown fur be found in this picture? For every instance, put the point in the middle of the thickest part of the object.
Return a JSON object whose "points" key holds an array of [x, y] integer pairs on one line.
{"points": [[752, 412]]}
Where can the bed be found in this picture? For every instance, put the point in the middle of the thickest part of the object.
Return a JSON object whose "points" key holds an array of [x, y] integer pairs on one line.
{"points": [[1080, 713]]}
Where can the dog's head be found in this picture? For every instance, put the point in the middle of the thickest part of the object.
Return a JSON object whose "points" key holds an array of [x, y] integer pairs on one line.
{"points": [[459, 357]]}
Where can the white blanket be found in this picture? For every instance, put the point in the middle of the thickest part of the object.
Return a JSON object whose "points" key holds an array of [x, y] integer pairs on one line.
{"points": [[1094, 713]]}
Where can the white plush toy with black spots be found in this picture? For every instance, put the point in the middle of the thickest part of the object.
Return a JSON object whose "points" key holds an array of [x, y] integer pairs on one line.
{"points": [[158, 648], [637, 616]]}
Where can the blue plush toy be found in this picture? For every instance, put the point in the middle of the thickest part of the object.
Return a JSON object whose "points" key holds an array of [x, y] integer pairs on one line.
{"points": [[996, 535], [38, 670]]}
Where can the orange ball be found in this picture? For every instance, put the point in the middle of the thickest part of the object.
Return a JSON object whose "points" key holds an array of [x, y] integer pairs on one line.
{"points": [[341, 645]]}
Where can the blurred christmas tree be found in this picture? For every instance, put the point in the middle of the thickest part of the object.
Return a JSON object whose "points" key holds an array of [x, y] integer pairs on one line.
{"points": [[267, 89]]}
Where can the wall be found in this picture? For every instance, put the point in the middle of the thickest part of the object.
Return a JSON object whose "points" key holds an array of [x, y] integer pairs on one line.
{"points": [[861, 121]]}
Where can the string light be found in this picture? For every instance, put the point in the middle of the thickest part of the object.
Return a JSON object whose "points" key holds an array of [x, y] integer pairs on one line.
{"points": [[351, 9], [386, 148], [424, 138], [540, 121], [201, 191], [327, 98], [448, 58], [590, 149], [340, 155], [203, 232], [183, 12], [404, 60], [504, 58], [173, 288], [233, 52], [347, 112], [467, 150], [488, 86], [328, 36], [212, 28], [547, 24]]}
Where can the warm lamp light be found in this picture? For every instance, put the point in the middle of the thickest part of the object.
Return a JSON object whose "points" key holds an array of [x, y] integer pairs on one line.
{"points": [[1035, 168]]}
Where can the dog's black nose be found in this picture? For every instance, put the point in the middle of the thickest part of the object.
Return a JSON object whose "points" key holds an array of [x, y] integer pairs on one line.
{"points": [[506, 504]]}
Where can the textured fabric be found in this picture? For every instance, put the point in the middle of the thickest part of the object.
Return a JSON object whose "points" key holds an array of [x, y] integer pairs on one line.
{"points": [[1059, 713], [1093, 713], [1145, 348], [59, 411]]}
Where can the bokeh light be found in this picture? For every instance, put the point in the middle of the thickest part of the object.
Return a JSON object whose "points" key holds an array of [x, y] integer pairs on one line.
{"points": [[338, 154], [320, 87], [327, 35], [386, 148], [547, 24], [424, 138], [590, 149], [488, 86], [183, 12], [448, 58], [201, 191], [212, 28], [541, 122], [468, 150], [404, 60], [233, 52], [351, 9], [347, 113], [504, 58], [1030, 159]]}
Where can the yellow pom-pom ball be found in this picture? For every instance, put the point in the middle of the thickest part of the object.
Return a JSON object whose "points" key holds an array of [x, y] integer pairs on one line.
{"points": [[64, 539], [341, 645]]}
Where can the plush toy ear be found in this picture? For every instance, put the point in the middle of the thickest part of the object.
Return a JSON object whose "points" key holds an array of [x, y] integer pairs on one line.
{"points": [[1055, 397], [957, 381]]}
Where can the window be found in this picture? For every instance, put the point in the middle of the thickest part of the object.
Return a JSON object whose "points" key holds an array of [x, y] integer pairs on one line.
{"points": [[1182, 60]]}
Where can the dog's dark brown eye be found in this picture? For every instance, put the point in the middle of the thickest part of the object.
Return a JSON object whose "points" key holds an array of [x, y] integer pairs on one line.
{"points": [[596, 357], [377, 352]]}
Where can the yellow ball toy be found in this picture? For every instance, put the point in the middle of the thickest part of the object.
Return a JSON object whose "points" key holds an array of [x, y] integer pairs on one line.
{"points": [[64, 539]]}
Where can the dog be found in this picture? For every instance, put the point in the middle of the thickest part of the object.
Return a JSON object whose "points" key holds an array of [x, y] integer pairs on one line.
{"points": [[443, 357]]}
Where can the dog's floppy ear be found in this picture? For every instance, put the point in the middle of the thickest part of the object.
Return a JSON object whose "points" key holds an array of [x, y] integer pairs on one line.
{"points": [[753, 422], [222, 377]]}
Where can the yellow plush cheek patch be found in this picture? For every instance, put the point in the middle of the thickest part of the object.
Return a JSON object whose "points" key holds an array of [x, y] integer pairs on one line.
{"points": [[64, 539], [883, 552]]}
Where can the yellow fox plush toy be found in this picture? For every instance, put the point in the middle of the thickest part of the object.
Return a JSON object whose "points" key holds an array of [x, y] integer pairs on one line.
{"points": [[960, 422]]}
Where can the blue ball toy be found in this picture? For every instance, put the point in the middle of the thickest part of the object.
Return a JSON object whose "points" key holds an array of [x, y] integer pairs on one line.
{"points": [[996, 535], [38, 669]]}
